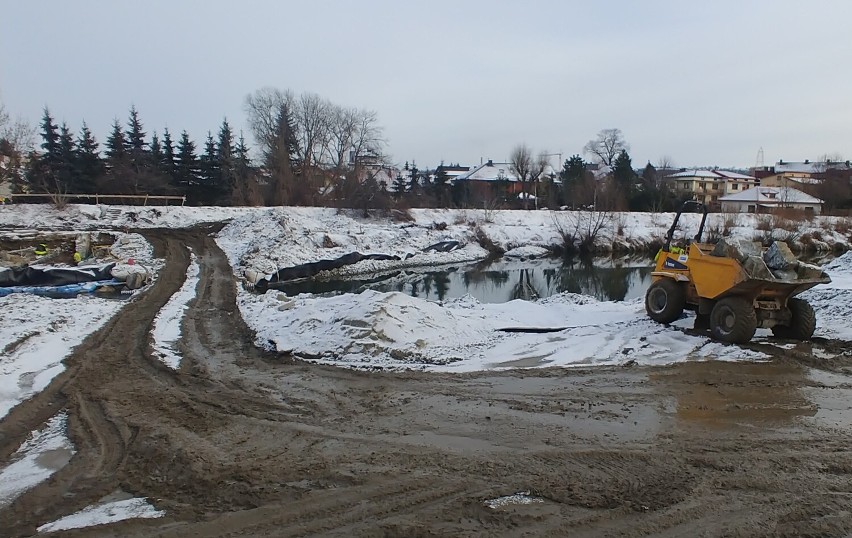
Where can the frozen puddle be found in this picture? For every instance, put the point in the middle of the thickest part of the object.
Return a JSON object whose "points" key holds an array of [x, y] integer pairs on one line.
{"points": [[44, 453], [522, 497], [167, 323], [106, 511]]}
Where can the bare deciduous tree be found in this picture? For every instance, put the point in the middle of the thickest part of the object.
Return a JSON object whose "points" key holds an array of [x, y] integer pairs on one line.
{"points": [[312, 116], [17, 138], [607, 146], [351, 130], [262, 108], [527, 168]]}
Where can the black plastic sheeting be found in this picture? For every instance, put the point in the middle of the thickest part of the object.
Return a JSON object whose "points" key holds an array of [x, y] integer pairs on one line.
{"points": [[307, 270], [443, 246], [54, 276]]}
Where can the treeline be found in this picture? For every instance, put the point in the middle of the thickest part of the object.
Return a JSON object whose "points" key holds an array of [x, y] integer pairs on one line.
{"points": [[311, 152], [131, 163]]}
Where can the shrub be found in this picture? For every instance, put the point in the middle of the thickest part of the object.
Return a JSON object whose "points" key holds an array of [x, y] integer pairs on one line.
{"points": [[486, 243], [764, 223]]}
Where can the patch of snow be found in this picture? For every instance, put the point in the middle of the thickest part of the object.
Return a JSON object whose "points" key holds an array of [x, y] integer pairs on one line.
{"points": [[37, 334], [522, 497], [102, 513], [166, 329], [45, 452]]}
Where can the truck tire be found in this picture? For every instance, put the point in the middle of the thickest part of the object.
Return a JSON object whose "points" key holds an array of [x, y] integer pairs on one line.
{"points": [[665, 300], [733, 320], [802, 324]]}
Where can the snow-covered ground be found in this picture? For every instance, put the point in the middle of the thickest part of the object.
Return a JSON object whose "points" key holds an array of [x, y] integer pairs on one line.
{"points": [[370, 329], [392, 329]]}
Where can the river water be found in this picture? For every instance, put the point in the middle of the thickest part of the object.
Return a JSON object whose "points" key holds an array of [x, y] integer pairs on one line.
{"points": [[608, 279]]}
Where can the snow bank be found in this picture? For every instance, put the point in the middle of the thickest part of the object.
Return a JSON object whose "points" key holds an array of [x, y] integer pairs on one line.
{"points": [[268, 240], [99, 217], [833, 302], [393, 330]]}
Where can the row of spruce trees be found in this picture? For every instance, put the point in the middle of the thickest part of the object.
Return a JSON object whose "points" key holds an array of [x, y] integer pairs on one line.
{"points": [[130, 163]]}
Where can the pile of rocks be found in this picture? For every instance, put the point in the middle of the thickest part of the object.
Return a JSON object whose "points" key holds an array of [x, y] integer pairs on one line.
{"points": [[775, 263]]}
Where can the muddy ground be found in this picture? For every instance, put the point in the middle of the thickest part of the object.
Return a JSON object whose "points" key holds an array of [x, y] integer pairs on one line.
{"points": [[245, 443]]}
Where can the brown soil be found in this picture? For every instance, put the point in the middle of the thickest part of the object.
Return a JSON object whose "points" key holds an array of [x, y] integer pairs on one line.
{"points": [[244, 443]]}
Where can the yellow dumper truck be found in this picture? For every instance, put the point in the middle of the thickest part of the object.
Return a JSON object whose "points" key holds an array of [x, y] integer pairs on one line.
{"points": [[733, 286]]}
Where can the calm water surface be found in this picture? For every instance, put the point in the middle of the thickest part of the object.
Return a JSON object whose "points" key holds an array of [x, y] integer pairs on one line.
{"points": [[610, 279]]}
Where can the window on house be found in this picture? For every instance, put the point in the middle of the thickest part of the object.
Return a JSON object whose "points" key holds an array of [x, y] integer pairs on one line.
{"points": [[735, 187], [752, 209]]}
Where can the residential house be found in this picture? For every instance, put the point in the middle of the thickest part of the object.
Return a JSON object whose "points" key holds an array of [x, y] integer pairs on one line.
{"points": [[497, 181], [708, 186], [767, 199], [373, 167], [453, 171], [802, 175]]}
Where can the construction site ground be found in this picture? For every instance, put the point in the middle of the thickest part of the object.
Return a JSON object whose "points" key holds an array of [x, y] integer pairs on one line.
{"points": [[242, 442]]}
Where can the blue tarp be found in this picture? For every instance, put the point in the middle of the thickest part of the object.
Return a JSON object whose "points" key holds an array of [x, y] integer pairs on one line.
{"points": [[65, 290]]}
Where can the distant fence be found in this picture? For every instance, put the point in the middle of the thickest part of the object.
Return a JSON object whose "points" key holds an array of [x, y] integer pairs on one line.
{"points": [[144, 199]]}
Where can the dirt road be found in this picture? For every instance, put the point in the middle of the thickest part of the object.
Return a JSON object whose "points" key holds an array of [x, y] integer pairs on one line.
{"points": [[245, 443]]}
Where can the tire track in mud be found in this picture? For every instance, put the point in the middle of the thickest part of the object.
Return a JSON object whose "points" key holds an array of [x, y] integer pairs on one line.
{"points": [[326, 511], [115, 391]]}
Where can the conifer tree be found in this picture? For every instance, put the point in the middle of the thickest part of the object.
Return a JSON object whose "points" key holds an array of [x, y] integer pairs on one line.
{"points": [[206, 190], [440, 186], [135, 134], [281, 158], [68, 176], [50, 138], [187, 163], [247, 190], [400, 186], [89, 163], [227, 167], [156, 149], [44, 168], [168, 164], [136, 142], [117, 161], [622, 171], [116, 146]]}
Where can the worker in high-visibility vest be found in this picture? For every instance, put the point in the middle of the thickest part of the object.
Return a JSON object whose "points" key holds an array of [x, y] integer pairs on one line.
{"points": [[41, 249]]}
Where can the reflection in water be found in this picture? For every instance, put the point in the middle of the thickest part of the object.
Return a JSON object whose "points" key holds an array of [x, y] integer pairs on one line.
{"points": [[502, 281]]}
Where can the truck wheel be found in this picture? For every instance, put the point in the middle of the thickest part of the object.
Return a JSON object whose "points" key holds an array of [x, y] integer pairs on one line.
{"points": [[733, 320], [802, 323], [665, 300]]}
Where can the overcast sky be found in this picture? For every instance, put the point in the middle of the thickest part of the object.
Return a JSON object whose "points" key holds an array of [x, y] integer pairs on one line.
{"points": [[705, 83]]}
